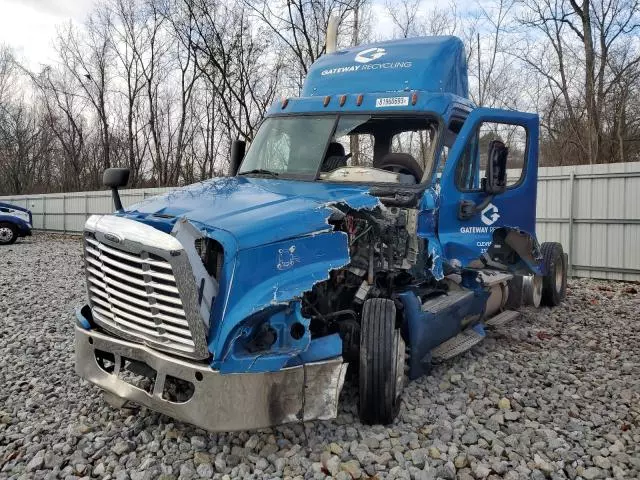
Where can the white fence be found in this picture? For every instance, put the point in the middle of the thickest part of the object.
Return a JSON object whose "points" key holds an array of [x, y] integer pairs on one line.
{"points": [[67, 212], [593, 210]]}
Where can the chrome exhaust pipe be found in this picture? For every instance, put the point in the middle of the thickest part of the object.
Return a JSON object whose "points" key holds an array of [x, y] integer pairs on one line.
{"points": [[332, 35]]}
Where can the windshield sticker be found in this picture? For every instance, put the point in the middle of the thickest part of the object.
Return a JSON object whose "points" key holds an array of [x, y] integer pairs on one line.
{"points": [[392, 102]]}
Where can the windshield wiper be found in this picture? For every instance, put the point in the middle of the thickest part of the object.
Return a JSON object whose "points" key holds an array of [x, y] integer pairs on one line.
{"points": [[260, 171]]}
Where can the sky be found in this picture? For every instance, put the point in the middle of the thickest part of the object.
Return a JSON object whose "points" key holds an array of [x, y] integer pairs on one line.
{"points": [[29, 26]]}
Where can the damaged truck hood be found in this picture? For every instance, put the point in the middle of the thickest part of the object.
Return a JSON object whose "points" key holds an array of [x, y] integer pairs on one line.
{"points": [[256, 211], [277, 244]]}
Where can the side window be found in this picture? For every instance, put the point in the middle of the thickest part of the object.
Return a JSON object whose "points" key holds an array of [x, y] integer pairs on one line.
{"points": [[472, 164]]}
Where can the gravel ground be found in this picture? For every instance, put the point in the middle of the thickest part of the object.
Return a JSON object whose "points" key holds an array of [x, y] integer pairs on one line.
{"points": [[555, 394]]}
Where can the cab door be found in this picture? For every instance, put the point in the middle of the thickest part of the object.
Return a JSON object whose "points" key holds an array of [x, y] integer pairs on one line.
{"points": [[468, 216]]}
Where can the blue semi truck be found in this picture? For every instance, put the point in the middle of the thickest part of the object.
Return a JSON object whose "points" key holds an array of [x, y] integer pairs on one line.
{"points": [[378, 223]]}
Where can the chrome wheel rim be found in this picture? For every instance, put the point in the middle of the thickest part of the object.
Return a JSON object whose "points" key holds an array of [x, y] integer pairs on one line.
{"points": [[537, 290], [559, 276], [532, 286], [400, 362], [6, 234]]}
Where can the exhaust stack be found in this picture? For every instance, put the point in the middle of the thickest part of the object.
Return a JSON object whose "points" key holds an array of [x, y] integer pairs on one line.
{"points": [[332, 35]]}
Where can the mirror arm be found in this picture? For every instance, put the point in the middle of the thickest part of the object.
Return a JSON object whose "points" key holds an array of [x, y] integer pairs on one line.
{"points": [[116, 199]]}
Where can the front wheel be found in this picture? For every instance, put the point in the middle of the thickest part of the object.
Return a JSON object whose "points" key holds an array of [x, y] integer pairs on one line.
{"points": [[381, 372], [8, 233]]}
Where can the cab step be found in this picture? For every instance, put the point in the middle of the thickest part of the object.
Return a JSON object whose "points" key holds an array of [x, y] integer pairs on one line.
{"points": [[458, 344], [502, 318]]}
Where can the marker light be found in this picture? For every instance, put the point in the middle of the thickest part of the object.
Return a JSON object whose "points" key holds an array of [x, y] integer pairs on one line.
{"points": [[285, 102], [414, 98], [343, 99], [359, 100], [327, 99]]}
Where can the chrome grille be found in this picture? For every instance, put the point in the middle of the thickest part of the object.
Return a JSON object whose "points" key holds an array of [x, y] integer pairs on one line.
{"points": [[136, 294]]}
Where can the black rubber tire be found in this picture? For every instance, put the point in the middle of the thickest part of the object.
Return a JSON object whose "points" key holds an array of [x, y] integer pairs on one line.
{"points": [[13, 229], [516, 294], [379, 344], [553, 257]]}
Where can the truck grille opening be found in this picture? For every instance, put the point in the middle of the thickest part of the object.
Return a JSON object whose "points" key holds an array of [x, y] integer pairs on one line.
{"points": [[177, 390], [211, 254], [136, 294], [134, 372]]}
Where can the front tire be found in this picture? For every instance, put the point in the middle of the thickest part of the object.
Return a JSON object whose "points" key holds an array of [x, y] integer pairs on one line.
{"points": [[8, 233], [381, 372]]}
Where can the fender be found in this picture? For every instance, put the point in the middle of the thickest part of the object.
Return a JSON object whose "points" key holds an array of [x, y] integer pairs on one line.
{"points": [[265, 284], [24, 228]]}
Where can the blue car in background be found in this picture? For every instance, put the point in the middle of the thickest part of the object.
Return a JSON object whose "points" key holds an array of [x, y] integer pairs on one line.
{"points": [[14, 222]]}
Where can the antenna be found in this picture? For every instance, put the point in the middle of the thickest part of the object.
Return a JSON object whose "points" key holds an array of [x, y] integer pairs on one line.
{"points": [[332, 35]]}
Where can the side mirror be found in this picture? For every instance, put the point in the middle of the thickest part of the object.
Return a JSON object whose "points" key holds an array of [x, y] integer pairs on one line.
{"points": [[495, 180], [115, 178], [238, 148]]}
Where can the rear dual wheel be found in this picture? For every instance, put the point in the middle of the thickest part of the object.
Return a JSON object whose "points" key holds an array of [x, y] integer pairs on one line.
{"points": [[549, 289], [554, 283], [381, 373]]}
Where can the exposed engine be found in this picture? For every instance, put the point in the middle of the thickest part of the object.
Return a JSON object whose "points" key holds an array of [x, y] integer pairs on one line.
{"points": [[386, 255]]}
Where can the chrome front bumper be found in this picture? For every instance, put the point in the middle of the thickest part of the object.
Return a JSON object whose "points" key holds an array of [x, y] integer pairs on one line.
{"points": [[220, 402]]}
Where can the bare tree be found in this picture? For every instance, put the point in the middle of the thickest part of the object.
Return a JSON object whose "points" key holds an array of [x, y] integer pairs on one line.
{"points": [[127, 41], [404, 16], [165, 86], [299, 28], [582, 39], [64, 115], [88, 59], [493, 65], [234, 64]]}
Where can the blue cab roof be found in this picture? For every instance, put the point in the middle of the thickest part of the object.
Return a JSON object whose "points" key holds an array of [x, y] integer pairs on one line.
{"points": [[431, 64]]}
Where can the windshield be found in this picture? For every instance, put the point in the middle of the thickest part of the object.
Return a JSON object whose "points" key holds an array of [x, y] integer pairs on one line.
{"points": [[289, 145], [349, 148]]}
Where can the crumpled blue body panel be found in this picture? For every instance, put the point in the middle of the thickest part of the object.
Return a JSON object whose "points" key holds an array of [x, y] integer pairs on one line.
{"points": [[277, 244], [255, 211]]}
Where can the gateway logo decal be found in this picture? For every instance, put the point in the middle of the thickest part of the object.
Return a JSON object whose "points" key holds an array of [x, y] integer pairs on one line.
{"points": [[370, 54], [490, 214], [365, 60]]}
